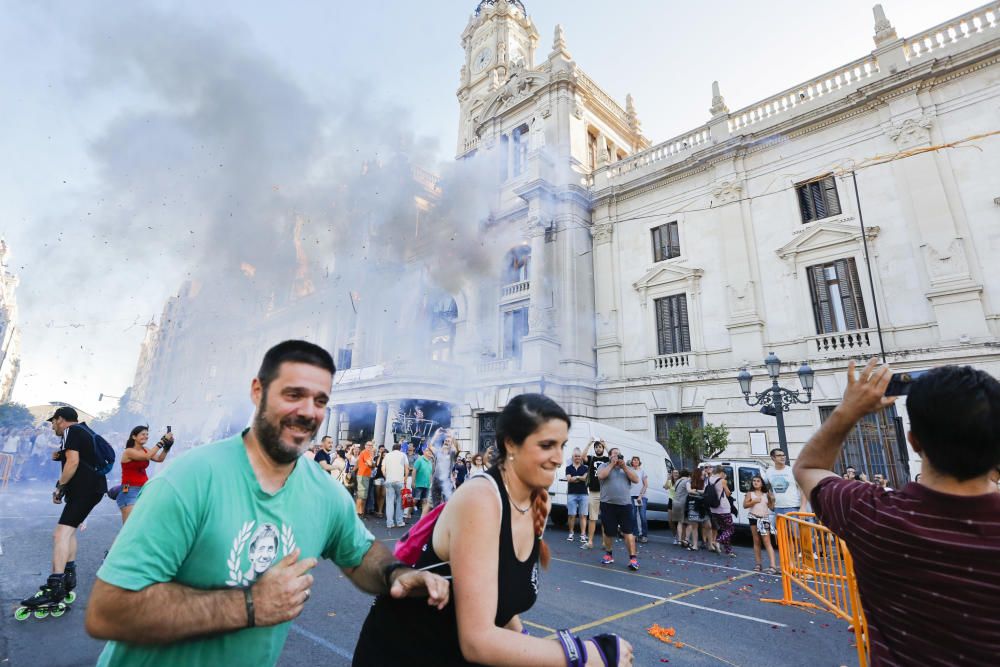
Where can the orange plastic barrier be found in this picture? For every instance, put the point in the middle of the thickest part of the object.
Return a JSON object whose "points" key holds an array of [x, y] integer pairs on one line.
{"points": [[817, 562], [6, 466]]}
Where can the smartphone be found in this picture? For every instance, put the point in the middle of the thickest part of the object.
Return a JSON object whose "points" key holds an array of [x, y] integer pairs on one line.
{"points": [[899, 383], [168, 429]]}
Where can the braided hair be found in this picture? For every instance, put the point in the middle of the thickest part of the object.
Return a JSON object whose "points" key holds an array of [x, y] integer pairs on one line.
{"points": [[522, 416]]}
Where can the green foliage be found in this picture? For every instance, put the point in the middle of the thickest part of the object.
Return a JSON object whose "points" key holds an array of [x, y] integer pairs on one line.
{"points": [[691, 444], [15, 415]]}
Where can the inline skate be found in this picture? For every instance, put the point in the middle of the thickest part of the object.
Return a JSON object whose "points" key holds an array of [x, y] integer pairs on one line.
{"points": [[50, 599]]}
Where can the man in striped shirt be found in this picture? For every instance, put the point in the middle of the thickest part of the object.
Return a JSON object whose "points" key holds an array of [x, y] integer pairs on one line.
{"points": [[927, 557]]}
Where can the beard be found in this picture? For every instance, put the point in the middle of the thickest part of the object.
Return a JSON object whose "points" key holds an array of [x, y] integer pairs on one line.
{"points": [[269, 434]]}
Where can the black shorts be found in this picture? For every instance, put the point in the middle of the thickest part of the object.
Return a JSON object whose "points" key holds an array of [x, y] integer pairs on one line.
{"points": [[614, 517], [76, 509]]}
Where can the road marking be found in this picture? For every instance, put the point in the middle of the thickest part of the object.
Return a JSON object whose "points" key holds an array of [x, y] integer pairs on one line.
{"points": [[651, 605], [688, 604], [322, 642], [537, 625], [604, 568], [725, 567]]}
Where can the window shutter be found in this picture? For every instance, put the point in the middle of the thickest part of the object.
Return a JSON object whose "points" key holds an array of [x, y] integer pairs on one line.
{"points": [[674, 243], [850, 294], [664, 334], [819, 204], [658, 254], [682, 321], [830, 195], [821, 300], [805, 204]]}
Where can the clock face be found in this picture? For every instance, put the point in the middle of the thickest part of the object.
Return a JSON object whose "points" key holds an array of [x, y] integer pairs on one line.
{"points": [[482, 59]]}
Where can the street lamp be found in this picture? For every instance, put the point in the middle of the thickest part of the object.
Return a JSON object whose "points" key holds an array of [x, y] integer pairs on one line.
{"points": [[776, 400]]}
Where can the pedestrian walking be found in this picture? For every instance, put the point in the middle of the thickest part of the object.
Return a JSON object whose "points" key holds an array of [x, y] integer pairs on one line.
{"points": [[488, 538], [721, 513], [593, 488], [459, 472], [363, 475], [215, 561], [442, 485], [378, 482], [696, 512], [420, 481]]}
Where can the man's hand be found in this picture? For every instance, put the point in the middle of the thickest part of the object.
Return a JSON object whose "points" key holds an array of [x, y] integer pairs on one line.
{"points": [[866, 394], [413, 583], [282, 591]]}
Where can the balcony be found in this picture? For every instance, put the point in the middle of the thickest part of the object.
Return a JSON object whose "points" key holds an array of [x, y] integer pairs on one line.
{"points": [[672, 363], [842, 343], [515, 291], [497, 366]]}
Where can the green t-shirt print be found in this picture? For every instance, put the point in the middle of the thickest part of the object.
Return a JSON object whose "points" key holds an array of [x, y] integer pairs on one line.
{"points": [[205, 522], [422, 472]]}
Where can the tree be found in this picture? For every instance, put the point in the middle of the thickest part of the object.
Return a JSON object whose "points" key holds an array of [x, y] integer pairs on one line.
{"points": [[15, 415], [692, 444]]}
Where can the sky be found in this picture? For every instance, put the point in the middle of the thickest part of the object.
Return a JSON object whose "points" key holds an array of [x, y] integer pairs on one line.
{"points": [[85, 86]]}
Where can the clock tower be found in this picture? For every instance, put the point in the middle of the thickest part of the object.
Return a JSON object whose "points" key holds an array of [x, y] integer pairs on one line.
{"points": [[499, 36]]}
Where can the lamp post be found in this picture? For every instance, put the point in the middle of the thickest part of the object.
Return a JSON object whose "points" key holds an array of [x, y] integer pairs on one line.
{"points": [[777, 400]]}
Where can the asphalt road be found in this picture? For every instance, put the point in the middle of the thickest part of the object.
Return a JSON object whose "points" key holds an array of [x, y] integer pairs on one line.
{"points": [[712, 602]]}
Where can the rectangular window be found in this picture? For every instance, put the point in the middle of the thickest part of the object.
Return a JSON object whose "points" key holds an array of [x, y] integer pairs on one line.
{"points": [[818, 199], [836, 297], [504, 141], [592, 150], [874, 447], [666, 243], [672, 332], [487, 431], [520, 137], [344, 358], [515, 327]]}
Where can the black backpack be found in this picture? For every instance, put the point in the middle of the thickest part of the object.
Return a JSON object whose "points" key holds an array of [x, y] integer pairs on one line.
{"points": [[711, 495], [103, 452]]}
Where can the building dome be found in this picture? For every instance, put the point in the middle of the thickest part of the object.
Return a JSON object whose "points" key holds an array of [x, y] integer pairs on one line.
{"points": [[514, 3]]}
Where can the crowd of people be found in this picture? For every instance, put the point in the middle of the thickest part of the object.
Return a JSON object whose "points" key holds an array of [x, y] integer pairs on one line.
{"points": [[251, 501], [31, 450]]}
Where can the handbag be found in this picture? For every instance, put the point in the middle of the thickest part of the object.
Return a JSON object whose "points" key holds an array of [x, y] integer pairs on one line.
{"points": [[114, 492], [407, 496]]}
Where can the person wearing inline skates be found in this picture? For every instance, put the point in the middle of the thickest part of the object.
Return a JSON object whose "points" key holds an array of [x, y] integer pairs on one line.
{"points": [[135, 460], [81, 485]]}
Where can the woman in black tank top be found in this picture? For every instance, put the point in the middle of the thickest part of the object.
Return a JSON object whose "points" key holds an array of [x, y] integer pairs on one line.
{"points": [[489, 540]]}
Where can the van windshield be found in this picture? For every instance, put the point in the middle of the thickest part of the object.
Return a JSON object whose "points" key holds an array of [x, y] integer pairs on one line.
{"points": [[746, 475]]}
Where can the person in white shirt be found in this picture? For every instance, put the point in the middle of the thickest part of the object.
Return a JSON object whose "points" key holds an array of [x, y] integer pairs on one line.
{"points": [[782, 482], [395, 468], [639, 501]]}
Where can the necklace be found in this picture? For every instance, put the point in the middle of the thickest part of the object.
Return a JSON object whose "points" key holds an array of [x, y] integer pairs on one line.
{"points": [[510, 499]]}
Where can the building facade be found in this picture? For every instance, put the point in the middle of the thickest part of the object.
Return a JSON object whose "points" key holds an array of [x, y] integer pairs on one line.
{"points": [[10, 334], [638, 279]]}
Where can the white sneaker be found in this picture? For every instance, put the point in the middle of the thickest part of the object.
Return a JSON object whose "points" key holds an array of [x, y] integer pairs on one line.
{"points": [[571, 537], [583, 539]]}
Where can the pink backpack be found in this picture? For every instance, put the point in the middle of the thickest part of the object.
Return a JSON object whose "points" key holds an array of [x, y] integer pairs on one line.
{"points": [[416, 539]]}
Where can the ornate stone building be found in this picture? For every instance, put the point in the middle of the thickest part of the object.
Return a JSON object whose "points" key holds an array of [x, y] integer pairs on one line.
{"points": [[10, 335], [638, 279]]}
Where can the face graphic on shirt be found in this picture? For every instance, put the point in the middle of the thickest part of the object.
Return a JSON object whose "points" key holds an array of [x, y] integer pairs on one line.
{"points": [[263, 549]]}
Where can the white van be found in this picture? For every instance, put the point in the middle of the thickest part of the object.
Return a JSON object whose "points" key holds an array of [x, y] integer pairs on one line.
{"points": [[741, 470], [655, 462]]}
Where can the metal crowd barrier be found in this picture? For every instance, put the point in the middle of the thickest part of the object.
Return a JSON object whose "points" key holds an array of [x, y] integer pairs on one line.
{"points": [[817, 562], [6, 466]]}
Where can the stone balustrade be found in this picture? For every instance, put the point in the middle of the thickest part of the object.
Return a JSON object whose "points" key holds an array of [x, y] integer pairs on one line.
{"points": [[666, 363], [809, 94], [660, 152], [495, 366], [515, 289], [979, 21], [842, 342]]}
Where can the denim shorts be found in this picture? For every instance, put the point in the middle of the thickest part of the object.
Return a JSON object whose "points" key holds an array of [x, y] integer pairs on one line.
{"points": [[125, 499], [577, 504]]}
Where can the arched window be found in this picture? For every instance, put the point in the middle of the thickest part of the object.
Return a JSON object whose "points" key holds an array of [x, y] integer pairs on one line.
{"points": [[443, 313], [515, 266]]}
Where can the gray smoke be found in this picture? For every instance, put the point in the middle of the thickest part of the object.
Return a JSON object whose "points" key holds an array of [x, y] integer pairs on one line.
{"points": [[223, 175]]}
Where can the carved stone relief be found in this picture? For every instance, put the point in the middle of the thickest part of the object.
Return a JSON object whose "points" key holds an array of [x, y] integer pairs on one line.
{"points": [[602, 232], [947, 264], [727, 192], [911, 132]]}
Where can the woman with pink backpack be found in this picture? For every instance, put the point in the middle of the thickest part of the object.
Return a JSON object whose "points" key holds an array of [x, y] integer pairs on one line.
{"points": [[488, 540]]}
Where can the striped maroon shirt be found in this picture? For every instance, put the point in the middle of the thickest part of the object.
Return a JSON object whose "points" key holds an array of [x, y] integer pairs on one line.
{"points": [[928, 569]]}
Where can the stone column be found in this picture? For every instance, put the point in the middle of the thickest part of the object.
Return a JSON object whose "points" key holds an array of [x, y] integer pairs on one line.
{"points": [[609, 345], [391, 412], [381, 408], [540, 347], [333, 424]]}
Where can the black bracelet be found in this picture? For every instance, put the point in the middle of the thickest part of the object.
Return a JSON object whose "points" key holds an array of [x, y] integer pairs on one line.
{"points": [[248, 598], [387, 573], [571, 649]]}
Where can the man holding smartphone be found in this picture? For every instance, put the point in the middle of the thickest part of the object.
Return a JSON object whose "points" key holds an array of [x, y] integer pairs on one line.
{"points": [[927, 557], [616, 506]]}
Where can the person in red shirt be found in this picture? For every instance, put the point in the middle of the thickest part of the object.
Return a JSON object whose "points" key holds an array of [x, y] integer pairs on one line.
{"points": [[926, 557], [135, 460], [365, 462]]}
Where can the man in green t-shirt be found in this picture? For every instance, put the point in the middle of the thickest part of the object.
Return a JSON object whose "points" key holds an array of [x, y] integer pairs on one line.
{"points": [[421, 480], [213, 564]]}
